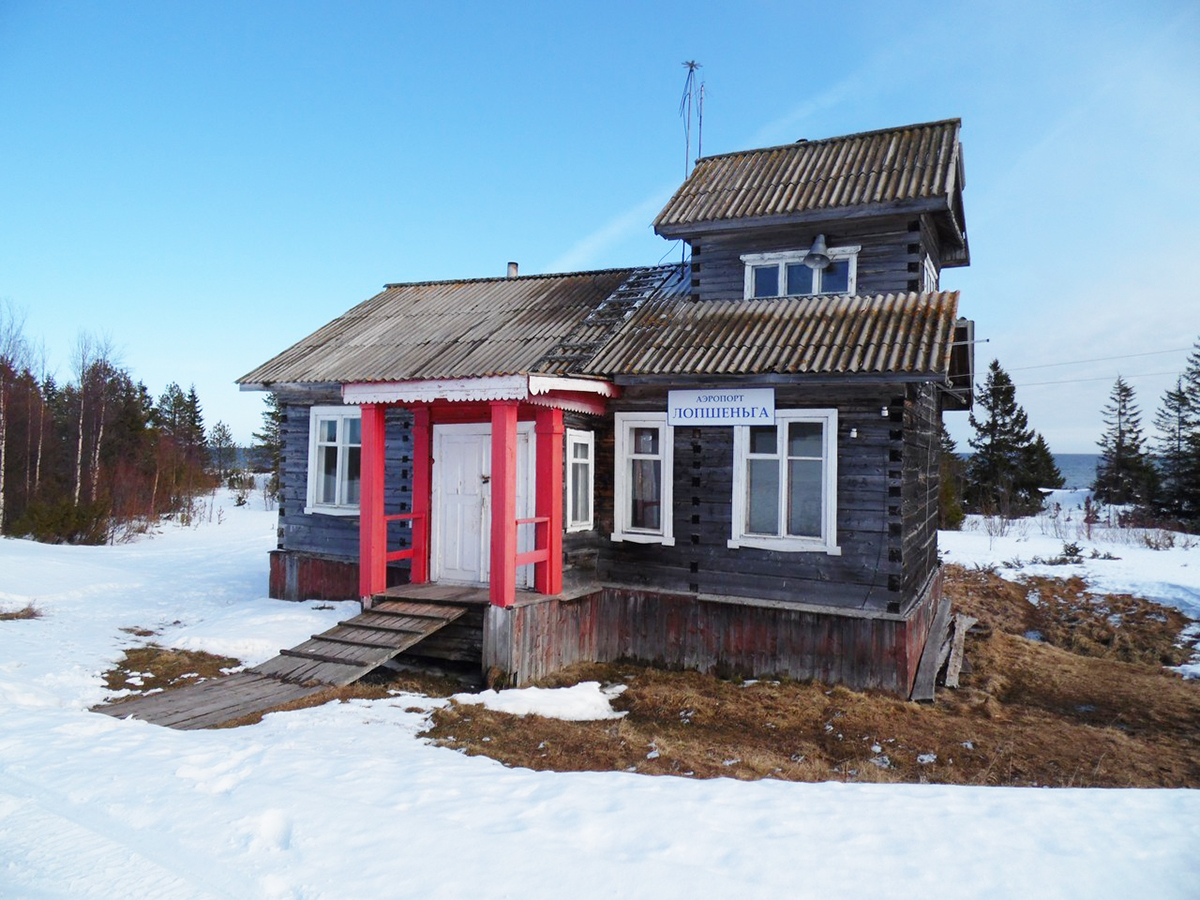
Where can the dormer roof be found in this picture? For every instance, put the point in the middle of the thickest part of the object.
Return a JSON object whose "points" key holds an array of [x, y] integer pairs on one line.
{"points": [[911, 169]]}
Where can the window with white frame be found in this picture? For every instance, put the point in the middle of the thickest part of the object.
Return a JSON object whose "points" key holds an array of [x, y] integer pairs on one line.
{"points": [[642, 480], [334, 460], [581, 479], [929, 275], [784, 482], [785, 274]]}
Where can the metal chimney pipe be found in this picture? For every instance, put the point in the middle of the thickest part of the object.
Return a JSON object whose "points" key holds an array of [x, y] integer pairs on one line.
{"points": [[512, 270]]}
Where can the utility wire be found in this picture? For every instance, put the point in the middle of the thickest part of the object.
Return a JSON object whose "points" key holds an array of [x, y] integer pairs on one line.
{"points": [[1079, 362]]}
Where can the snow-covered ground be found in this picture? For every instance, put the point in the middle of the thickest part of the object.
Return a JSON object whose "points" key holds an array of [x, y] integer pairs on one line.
{"points": [[346, 801]]}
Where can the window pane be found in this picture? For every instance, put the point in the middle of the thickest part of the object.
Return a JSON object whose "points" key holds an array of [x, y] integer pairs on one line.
{"points": [[804, 439], [579, 450], [581, 501], [835, 278], [762, 501], [646, 494], [327, 474], [327, 430], [763, 439], [804, 497], [354, 431], [799, 278], [645, 440], [766, 281], [353, 474]]}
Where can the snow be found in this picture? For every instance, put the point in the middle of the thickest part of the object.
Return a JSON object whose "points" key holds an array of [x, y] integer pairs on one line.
{"points": [[345, 800], [579, 703]]}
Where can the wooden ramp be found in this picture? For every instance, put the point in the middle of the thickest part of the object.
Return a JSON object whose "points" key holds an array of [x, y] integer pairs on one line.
{"points": [[339, 656]]}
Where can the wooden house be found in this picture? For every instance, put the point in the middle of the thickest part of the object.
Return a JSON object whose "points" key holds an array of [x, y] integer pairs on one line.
{"points": [[729, 464]]}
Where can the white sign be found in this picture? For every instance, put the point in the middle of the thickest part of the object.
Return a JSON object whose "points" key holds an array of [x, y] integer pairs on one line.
{"points": [[722, 406]]}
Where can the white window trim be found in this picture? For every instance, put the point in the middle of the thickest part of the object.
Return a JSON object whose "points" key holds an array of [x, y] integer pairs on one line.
{"points": [[315, 414], [782, 257], [587, 438], [929, 275], [622, 424], [827, 543]]}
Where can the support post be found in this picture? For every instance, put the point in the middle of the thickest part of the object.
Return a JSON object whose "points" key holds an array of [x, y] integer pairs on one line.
{"points": [[372, 529], [422, 457], [547, 576], [502, 580]]}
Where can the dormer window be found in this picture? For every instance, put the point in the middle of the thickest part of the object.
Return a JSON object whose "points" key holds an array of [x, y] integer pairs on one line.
{"points": [[785, 274]]}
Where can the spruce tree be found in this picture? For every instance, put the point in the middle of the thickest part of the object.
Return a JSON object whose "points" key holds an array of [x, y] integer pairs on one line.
{"points": [[1124, 474], [221, 449], [266, 453], [1174, 422], [997, 476], [1041, 471], [950, 473]]}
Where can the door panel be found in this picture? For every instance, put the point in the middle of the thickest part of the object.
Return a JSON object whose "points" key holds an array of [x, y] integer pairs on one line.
{"points": [[461, 527]]}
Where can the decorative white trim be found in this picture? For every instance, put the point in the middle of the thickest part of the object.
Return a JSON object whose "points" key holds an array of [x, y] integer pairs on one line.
{"points": [[827, 542], [623, 423], [782, 257], [588, 439], [493, 387], [543, 384], [341, 414]]}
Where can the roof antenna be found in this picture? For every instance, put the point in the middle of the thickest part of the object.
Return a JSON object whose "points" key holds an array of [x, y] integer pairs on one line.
{"points": [[690, 90]]}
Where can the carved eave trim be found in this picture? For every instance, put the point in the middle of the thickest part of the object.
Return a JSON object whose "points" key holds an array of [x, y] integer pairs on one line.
{"points": [[578, 394]]}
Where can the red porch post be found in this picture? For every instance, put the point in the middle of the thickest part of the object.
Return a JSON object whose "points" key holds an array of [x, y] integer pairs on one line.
{"points": [[372, 529], [502, 586], [422, 455], [547, 576]]}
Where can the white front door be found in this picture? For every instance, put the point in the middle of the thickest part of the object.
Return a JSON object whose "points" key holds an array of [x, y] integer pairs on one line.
{"points": [[462, 507]]}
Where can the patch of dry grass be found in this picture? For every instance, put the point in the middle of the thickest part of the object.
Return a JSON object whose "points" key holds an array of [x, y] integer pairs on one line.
{"points": [[1099, 711], [143, 669], [27, 612]]}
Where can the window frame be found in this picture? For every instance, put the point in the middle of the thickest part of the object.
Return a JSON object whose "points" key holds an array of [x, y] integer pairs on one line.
{"points": [[341, 414], [827, 541], [623, 424], [782, 258], [576, 436]]}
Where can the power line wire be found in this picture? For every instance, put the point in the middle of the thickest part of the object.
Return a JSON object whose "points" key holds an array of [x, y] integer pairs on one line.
{"points": [[1097, 359]]}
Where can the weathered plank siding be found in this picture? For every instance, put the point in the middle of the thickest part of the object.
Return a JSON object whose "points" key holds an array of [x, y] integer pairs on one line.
{"points": [[534, 639], [892, 254], [869, 573]]}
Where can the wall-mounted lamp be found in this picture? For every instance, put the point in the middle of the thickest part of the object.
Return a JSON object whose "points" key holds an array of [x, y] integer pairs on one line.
{"points": [[818, 255]]}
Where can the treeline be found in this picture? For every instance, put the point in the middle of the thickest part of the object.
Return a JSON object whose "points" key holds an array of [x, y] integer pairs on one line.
{"points": [[83, 459], [1155, 479]]}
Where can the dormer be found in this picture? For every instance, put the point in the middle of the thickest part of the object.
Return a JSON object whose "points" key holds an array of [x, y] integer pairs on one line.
{"points": [[872, 213]]}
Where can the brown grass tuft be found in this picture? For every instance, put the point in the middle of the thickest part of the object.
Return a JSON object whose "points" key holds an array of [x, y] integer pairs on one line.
{"points": [[28, 612]]}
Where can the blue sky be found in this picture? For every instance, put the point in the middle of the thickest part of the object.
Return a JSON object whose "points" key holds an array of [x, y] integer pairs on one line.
{"points": [[209, 182]]}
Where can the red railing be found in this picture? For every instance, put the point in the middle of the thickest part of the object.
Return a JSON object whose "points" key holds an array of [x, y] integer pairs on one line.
{"points": [[541, 534], [416, 551]]}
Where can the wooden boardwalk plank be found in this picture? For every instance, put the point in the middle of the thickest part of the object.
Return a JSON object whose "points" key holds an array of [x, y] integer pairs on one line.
{"points": [[339, 656]]}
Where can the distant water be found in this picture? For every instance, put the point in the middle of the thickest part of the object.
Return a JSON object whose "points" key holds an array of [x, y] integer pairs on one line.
{"points": [[1078, 469]]}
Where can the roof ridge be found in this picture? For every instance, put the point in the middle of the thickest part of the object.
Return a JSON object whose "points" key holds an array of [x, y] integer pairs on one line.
{"points": [[504, 278], [804, 142]]}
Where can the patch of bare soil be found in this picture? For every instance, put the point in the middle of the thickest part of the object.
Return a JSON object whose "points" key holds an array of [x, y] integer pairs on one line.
{"points": [[1087, 705], [26, 612]]}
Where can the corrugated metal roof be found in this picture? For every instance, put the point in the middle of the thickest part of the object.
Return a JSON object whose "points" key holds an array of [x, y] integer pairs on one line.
{"points": [[445, 329], [912, 163], [508, 326], [906, 333]]}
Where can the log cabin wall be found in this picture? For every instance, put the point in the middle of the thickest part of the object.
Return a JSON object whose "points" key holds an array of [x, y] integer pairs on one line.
{"points": [[872, 572], [317, 555], [890, 261]]}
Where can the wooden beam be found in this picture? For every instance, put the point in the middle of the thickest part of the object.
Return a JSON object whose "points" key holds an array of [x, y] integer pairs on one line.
{"points": [[372, 528], [422, 459], [502, 580], [547, 576]]}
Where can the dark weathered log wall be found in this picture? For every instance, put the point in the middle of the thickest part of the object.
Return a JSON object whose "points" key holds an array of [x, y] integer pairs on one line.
{"points": [[890, 261], [869, 573]]}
